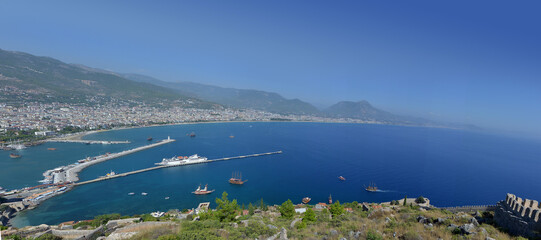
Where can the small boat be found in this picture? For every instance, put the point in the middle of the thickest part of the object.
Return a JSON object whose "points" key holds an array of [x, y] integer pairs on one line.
{"points": [[166, 198], [13, 155], [306, 200], [203, 191], [149, 139], [236, 178], [192, 134], [231, 136], [51, 149], [372, 188], [342, 178], [144, 193], [131, 194], [109, 174]]}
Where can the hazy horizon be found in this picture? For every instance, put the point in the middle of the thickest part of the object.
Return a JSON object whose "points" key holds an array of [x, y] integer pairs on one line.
{"points": [[466, 62]]}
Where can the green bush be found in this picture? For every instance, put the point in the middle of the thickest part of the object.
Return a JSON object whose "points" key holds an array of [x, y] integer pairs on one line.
{"points": [[373, 235], [309, 216], [169, 237], [420, 199], [336, 209], [48, 236], [256, 229]]}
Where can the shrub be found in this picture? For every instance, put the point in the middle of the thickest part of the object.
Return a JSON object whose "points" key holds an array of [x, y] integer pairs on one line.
{"points": [[256, 229], [373, 235], [336, 209], [48, 236], [309, 216], [169, 237], [420, 199], [300, 224], [226, 210], [411, 235], [287, 210]]}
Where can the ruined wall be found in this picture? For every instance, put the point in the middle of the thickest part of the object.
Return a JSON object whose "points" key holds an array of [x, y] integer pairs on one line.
{"points": [[519, 216]]}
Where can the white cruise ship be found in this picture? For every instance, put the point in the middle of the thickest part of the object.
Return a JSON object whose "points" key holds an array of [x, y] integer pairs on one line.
{"points": [[182, 160]]}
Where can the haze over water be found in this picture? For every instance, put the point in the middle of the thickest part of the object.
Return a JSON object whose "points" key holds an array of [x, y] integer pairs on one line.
{"points": [[451, 167]]}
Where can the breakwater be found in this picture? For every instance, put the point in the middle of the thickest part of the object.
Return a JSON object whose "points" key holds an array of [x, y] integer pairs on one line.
{"points": [[69, 173], [86, 141], [166, 166]]}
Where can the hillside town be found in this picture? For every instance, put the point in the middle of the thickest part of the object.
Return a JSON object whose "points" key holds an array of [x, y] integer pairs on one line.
{"points": [[49, 119]]}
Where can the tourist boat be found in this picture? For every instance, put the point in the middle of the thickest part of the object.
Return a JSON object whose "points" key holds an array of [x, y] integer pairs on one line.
{"points": [[342, 178], [149, 139], [306, 200], [182, 160], [13, 155], [51, 149], [203, 191], [372, 188], [131, 194], [236, 178], [110, 174], [144, 193]]}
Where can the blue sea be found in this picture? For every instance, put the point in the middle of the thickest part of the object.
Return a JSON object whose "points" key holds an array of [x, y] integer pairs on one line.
{"points": [[450, 167]]}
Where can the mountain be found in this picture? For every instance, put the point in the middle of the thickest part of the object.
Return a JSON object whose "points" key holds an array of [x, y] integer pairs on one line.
{"points": [[25, 77], [238, 98]]}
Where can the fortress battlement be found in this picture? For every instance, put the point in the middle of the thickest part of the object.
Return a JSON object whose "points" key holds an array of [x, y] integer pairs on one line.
{"points": [[519, 216]]}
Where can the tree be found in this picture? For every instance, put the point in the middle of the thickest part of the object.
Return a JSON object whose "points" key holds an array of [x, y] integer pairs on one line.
{"points": [[287, 209], [420, 199], [251, 209], [309, 216], [226, 210], [336, 209], [405, 200], [263, 206]]}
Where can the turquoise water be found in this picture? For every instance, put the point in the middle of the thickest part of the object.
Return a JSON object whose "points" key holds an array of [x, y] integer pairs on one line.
{"points": [[451, 167]]}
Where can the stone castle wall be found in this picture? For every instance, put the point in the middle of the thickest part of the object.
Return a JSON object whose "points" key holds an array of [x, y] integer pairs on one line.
{"points": [[519, 216]]}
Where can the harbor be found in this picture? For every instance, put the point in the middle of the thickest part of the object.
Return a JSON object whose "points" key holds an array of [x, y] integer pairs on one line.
{"points": [[69, 174], [167, 166]]}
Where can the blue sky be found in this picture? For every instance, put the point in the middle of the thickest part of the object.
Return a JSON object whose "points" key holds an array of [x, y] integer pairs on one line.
{"points": [[475, 62]]}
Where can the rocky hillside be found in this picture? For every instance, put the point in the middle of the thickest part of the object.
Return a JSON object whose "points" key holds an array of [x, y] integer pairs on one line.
{"points": [[393, 220]]}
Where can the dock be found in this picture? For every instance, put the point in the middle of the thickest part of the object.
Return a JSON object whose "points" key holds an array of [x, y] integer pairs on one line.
{"points": [[160, 167], [86, 141], [70, 173]]}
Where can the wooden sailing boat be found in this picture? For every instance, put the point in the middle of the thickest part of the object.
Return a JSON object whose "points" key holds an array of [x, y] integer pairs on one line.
{"points": [[236, 178], [203, 191], [372, 187]]}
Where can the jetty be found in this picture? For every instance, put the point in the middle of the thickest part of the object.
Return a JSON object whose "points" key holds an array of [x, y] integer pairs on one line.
{"points": [[86, 141], [168, 166], [70, 173]]}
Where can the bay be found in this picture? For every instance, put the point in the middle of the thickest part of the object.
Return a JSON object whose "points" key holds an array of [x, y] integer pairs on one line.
{"points": [[450, 167]]}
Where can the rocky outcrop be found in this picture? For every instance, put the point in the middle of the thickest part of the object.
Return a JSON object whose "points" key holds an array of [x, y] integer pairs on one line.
{"points": [[519, 216]]}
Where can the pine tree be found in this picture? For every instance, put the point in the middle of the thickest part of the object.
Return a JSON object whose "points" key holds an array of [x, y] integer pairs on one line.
{"points": [[287, 209], [337, 209], [405, 200], [309, 216]]}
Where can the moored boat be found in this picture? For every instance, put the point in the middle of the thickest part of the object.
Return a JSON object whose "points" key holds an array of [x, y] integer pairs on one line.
{"points": [[51, 149], [13, 155], [149, 139], [181, 160], [203, 191], [306, 200], [144, 193], [131, 194]]}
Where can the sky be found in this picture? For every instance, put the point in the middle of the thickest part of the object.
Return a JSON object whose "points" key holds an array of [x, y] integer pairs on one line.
{"points": [[475, 62]]}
